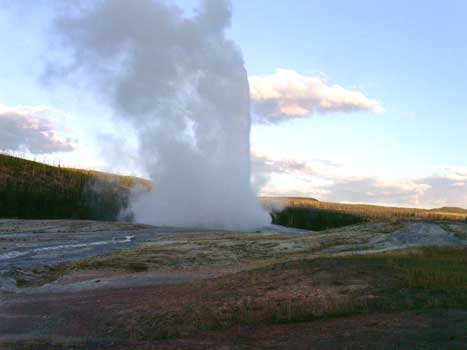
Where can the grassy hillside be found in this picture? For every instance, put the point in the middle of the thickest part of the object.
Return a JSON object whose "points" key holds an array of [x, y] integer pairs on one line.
{"points": [[32, 190], [309, 213], [451, 210]]}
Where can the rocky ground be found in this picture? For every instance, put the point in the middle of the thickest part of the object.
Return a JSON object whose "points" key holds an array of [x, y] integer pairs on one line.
{"points": [[96, 285]]}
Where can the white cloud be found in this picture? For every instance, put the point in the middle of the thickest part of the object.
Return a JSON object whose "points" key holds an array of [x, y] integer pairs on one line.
{"points": [[30, 129], [376, 190], [330, 182], [287, 94]]}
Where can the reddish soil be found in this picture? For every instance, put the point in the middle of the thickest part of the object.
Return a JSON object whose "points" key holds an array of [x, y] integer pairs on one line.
{"points": [[438, 329], [239, 311]]}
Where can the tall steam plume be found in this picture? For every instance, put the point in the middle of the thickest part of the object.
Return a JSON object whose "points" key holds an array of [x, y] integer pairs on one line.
{"points": [[184, 88]]}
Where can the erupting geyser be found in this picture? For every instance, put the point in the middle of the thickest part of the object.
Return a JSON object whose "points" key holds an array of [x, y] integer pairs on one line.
{"points": [[184, 88]]}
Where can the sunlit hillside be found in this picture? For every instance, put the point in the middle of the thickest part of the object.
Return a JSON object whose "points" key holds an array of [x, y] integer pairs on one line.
{"points": [[32, 190], [316, 215]]}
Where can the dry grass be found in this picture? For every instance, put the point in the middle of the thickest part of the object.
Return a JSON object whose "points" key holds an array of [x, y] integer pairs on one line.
{"points": [[306, 290], [373, 212]]}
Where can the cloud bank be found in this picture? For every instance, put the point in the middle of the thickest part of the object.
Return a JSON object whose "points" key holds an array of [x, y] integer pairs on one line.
{"points": [[287, 94], [331, 182], [24, 128]]}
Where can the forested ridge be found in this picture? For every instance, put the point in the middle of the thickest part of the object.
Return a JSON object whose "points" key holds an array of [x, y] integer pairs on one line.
{"points": [[33, 190]]}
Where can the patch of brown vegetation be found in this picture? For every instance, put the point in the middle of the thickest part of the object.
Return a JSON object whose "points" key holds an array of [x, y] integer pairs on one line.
{"points": [[288, 292], [373, 212]]}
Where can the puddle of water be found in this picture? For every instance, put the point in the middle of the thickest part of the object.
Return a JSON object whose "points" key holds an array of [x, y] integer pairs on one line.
{"points": [[15, 254]]}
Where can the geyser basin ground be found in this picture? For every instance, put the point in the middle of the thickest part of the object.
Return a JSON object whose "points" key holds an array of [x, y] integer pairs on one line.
{"points": [[103, 289]]}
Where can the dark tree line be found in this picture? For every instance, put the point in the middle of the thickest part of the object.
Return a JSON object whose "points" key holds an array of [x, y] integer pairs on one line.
{"points": [[313, 219]]}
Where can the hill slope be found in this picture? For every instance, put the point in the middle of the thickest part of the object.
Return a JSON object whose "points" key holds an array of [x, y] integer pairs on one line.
{"points": [[32, 190], [454, 210], [309, 213]]}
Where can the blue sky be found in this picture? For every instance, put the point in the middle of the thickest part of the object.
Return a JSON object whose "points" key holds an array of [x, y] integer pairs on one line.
{"points": [[410, 57]]}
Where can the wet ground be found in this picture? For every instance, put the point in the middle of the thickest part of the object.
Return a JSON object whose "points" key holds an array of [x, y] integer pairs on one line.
{"points": [[55, 276]]}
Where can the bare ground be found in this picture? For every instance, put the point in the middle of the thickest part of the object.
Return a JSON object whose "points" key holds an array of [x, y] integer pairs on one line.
{"points": [[167, 289]]}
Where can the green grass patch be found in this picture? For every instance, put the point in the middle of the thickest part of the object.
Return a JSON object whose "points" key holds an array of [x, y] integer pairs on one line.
{"points": [[428, 277]]}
